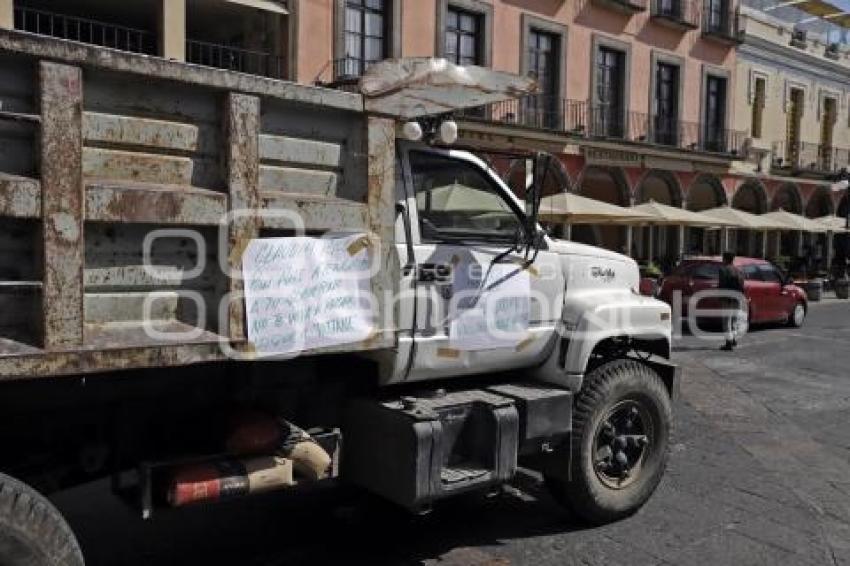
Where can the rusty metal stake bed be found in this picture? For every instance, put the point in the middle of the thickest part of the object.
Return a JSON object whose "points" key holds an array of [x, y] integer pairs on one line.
{"points": [[134, 192]]}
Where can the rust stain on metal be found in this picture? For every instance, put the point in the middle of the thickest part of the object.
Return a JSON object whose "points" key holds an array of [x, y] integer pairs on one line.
{"points": [[140, 132], [448, 353], [137, 166], [20, 197], [162, 204], [62, 204], [242, 122], [381, 204]]}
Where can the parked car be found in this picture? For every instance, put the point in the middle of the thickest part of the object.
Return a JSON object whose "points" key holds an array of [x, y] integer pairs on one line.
{"points": [[771, 296]]}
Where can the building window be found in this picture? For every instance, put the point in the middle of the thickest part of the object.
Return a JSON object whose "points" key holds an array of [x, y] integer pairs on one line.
{"points": [[608, 112], [829, 116], [365, 36], [717, 15], [715, 113], [666, 119], [463, 37], [796, 101], [759, 95], [542, 61], [541, 109]]}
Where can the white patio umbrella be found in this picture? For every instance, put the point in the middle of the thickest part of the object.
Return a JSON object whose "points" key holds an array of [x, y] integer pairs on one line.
{"points": [[732, 217], [834, 225], [665, 215], [570, 208], [576, 209], [795, 222]]}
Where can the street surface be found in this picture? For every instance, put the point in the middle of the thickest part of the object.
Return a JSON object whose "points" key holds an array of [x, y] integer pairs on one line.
{"points": [[757, 475]]}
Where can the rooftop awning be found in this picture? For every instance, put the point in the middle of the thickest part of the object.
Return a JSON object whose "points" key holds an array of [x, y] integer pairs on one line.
{"points": [[423, 86], [794, 222], [671, 215], [729, 216], [817, 9], [833, 223], [267, 5], [575, 209]]}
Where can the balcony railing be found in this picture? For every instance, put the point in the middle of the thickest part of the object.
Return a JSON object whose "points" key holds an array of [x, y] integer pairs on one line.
{"points": [[809, 156], [721, 23], [682, 14], [583, 120], [624, 6], [234, 59], [84, 30]]}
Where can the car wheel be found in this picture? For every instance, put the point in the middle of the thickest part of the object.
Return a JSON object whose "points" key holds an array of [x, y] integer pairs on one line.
{"points": [[620, 437], [797, 315]]}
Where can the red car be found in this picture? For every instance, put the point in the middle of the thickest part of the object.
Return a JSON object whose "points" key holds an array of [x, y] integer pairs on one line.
{"points": [[770, 294]]}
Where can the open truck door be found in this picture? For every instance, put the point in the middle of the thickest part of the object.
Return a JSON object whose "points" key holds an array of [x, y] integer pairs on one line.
{"points": [[487, 297], [478, 294]]}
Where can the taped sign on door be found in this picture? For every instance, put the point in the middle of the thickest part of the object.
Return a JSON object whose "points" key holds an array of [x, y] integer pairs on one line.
{"points": [[306, 293], [492, 314]]}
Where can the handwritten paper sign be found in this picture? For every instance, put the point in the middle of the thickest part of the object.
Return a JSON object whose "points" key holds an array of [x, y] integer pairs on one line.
{"points": [[305, 293], [494, 314]]}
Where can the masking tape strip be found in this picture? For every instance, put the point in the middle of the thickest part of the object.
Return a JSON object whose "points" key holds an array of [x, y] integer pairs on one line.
{"points": [[373, 336], [449, 353], [359, 245], [526, 342]]}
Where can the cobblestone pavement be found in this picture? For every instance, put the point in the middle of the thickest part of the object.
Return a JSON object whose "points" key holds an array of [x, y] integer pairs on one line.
{"points": [[758, 475]]}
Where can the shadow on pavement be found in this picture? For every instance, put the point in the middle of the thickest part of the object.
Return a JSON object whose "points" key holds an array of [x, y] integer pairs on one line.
{"points": [[347, 527]]}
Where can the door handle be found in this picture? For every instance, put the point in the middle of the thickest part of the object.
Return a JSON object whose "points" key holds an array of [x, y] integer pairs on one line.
{"points": [[440, 273]]}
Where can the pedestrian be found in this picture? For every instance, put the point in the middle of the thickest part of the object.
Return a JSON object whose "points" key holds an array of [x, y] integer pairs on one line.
{"points": [[732, 282]]}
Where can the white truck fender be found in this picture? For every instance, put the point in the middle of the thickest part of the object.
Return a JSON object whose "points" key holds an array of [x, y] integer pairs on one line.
{"points": [[592, 318]]}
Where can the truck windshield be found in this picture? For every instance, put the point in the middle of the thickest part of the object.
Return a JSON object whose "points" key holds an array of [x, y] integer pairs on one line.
{"points": [[456, 201]]}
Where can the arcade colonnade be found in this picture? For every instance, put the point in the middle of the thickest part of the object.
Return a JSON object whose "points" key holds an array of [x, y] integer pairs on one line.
{"points": [[629, 186]]}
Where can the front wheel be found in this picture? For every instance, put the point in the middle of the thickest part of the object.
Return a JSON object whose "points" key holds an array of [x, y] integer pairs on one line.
{"points": [[621, 431], [797, 315], [32, 532]]}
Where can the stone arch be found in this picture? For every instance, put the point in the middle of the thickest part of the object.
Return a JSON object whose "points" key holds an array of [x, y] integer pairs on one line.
{"points": [[788, 198], [706, 192], [662, 187], [750, 197], [820, 204], [607, 184]]}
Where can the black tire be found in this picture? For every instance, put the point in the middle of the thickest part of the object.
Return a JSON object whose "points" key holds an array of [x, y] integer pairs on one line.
{"points": [[32, 532], [611, 387], [793, 320]]}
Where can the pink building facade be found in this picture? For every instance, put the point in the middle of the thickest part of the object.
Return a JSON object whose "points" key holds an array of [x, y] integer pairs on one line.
{"points": [[636, 95]]}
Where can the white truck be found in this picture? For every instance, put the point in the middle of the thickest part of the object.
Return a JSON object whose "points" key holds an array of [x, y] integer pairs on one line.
{"points": [[176, 311]]}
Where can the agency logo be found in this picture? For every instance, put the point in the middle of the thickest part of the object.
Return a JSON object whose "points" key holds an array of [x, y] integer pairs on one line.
{"points": [[606, 274]]}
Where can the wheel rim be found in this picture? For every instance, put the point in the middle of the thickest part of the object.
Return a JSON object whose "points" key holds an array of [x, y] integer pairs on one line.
{"points": [[799, 314], [623, 440]]}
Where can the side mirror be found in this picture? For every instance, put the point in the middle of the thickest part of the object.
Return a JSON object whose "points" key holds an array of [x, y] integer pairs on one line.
{"points": [[533, 196], [534, 193]]}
